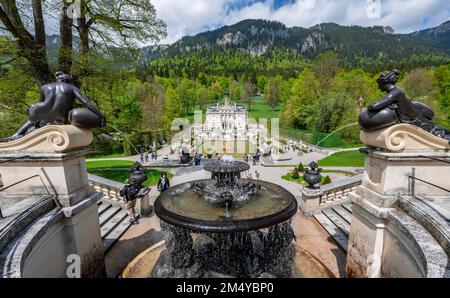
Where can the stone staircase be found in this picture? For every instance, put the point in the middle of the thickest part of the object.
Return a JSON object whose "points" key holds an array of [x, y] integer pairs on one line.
{"points": [[336, 221], [114, 222]]}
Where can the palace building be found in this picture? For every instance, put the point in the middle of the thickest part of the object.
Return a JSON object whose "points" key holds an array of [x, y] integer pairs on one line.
{"points": [[226, 116]]}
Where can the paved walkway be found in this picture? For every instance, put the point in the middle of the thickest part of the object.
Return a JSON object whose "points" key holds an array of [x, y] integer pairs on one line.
{"points": [[292, 158], [287, 158]]}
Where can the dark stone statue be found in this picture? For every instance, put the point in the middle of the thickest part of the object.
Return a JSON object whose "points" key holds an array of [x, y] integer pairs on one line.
{"points": [[396, 108], [56, 106], [312, 175], [138, 175], [185, 158]]}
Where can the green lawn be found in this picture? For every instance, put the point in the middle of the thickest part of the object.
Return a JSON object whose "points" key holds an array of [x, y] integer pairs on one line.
{"points": [[260, 109], [343, 159], [105, 164], [104, 155], [122, 175], [118, 170]]}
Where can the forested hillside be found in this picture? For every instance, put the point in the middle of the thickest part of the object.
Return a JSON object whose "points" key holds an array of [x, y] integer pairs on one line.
{"points": [[316, 80], [258, 42]]}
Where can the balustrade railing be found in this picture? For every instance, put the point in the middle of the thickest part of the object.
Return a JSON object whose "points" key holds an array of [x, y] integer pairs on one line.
{"points": [[110, 190], [338, 191], [314, 200]]}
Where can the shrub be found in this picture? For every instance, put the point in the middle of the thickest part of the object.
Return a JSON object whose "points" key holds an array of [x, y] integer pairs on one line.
{"points": [[295, 174], [301, 168], [327, 180]]}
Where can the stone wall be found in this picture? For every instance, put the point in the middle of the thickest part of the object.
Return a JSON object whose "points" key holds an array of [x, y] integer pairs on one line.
{"points": [[42, 249], [38, 243]]}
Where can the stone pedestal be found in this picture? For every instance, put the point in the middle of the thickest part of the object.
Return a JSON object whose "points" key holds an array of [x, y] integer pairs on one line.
{"points": [[62, 175], [403, 151], [310, 200], [366, 238], [51, 162], [403, 137], [388, 175], [144, 204]]}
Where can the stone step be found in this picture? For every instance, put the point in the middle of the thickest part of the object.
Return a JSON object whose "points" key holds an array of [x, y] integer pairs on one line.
{"points": [[112, 223], [333, 230], [348, 207], [102, 207], [116, 232], [344, 213], [435, 259], [337, 220], [105, 216]]}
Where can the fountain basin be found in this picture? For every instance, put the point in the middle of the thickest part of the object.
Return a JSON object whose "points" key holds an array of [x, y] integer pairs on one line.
{"points": [[306, 265], [183, 207]]}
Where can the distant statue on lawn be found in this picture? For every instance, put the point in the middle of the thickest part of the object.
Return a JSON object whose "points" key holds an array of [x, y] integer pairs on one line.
{"points": [[396, 108], [56, 106]]}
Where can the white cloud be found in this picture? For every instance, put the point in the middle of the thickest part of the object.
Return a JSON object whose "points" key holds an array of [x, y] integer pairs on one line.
{"points": [[194, 16]]}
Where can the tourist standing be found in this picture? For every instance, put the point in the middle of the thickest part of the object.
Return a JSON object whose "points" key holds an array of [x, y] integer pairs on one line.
{"points": [[257, 157], [163, 183], [257, 175], [129, 192], [197, 159]]}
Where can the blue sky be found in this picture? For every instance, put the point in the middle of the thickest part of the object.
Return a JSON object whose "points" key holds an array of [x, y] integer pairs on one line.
{"points": [[188, 17]]}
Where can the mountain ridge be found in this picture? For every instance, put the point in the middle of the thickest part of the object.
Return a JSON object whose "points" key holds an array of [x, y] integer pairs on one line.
{"points": [[257, 37]]}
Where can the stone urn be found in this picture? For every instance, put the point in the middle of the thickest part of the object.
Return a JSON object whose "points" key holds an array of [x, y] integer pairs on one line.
{"points": [[137, 175], [312, 175]]}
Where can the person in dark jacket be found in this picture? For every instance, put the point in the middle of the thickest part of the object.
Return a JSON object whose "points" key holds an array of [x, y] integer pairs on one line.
{"points": [[130, 192], [163, 183]]}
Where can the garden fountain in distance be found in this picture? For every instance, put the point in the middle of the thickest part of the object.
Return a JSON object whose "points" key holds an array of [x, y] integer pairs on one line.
{"points": [[226, 226]]}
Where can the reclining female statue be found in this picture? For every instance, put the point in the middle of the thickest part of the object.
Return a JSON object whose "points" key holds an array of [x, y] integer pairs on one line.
{"points": [[56, 106], [396, 108]]}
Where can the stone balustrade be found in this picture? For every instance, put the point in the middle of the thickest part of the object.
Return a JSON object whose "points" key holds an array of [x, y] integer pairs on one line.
{"points": [[339, 190], [110, 190], [313, 200]]}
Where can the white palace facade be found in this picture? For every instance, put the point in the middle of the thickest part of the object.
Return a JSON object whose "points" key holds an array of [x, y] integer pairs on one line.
{"points": [[225, 117]]}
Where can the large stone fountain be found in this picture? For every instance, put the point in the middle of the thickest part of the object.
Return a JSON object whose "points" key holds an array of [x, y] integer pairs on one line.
{"points": [[226, 226]]}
